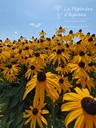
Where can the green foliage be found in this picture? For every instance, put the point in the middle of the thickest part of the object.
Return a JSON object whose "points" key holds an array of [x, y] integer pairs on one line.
{"points": [[12, 105]]}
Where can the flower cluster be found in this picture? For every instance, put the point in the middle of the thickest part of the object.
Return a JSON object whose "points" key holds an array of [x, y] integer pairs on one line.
{"points": [[49, 76]]}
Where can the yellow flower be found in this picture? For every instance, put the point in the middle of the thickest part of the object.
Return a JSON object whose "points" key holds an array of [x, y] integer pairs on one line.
{"points": [[64, 83], [59, 56], [77, 47], [38, 59], [42, 33], [35, 115], [32, 70], [27, 50], [42, 82], [10, 72], [79, 34], [82, 107], [69, 37], [78, 68], [90, 67], [81, 57], [46, 50], [85, 81], [63, 69], [4, 55], [22, 57], [60, 30]]}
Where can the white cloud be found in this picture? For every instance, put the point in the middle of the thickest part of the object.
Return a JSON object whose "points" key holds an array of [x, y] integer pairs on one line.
{"points": [[15, 32], [35, 25]]}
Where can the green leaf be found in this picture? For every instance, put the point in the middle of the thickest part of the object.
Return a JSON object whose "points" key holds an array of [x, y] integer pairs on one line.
{"points": [[1, 105], [48, 100], [0, 125], [12, 115], [14, 102], [8, 124], [13, 91], [20, 106], [19, 119], [20, 125]]}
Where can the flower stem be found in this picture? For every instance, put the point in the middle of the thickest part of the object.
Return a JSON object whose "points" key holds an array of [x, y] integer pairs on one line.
{"points": [[53, 115]]}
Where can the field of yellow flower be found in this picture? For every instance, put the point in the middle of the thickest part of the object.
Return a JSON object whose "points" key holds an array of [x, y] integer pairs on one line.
{"points": [[48, 82]]}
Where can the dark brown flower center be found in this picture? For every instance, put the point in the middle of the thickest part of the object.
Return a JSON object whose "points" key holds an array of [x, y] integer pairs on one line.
{"points": [[80, 30], [41, 76], [90, 39], [89, 54], [89, 105], [61, 80], [70, 32], [42, 31], [9, 66], [26, 57], [13, 48], [46, 48], [60, 27], [81, 53], [32, 67], [93, 35], [26, 48], [20, 51], [78, 42], [62, 66], [88, 33], [13, 56], [59, 44], [67, 45], [81, 64], [90, 64], [63, 49], [58, 51], [37, 54], [35, 111]]}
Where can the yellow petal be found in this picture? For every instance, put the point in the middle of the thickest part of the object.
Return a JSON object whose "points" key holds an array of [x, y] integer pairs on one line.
{"points": [[79, 91], [44, 111], [27, 115], [71, 96], [51, 92], [31, 82], [79, 122], [28, 89], [89, 121], [37, 95], [28, 111], [28, 120], [53, 83], [31, 107], [1, 115], [72, 115], [33, 122], [42, 93], [94, 120], [44, 120], [86, 92], [70, 106], [39, 122]]}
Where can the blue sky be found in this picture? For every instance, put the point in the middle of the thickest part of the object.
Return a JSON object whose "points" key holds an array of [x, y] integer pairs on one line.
{"points": [[28, 17]]}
